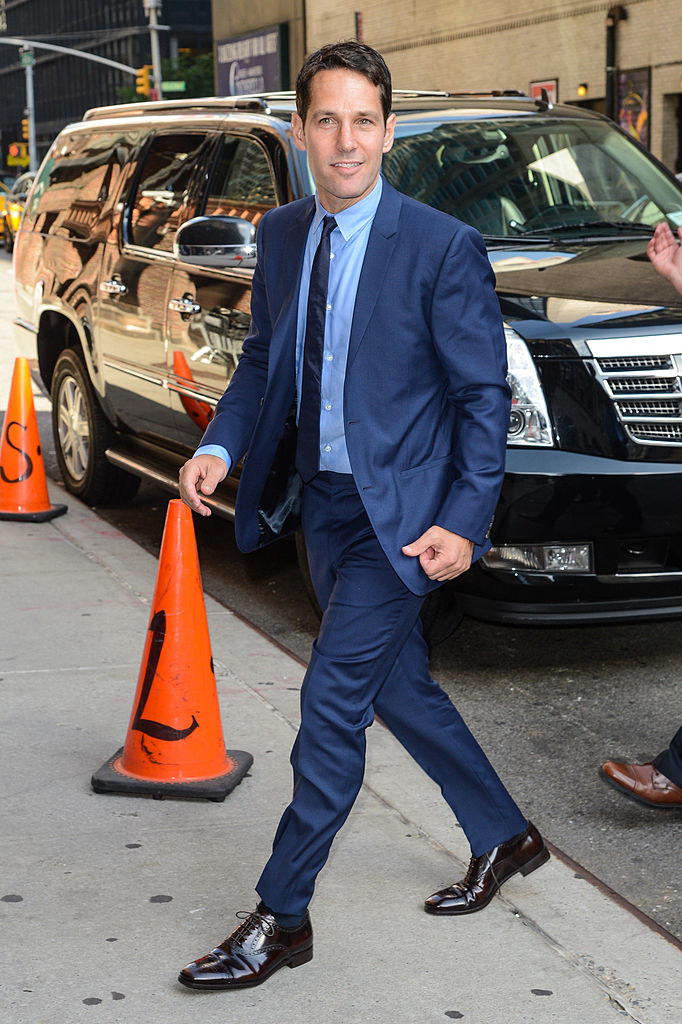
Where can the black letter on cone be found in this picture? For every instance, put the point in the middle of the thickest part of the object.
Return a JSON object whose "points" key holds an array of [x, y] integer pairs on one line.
{"points": [[29, 464], [157, 730]]}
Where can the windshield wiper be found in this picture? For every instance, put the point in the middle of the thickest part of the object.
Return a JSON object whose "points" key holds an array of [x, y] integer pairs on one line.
{"points": [[515, 239], [619, 225]]}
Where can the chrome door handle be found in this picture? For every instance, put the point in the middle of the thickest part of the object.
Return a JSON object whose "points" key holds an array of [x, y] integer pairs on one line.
{"points": [[186, 306], [113, 287]]}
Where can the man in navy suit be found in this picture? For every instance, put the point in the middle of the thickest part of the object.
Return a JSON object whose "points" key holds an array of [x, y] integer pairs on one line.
{"points": [[372, 398]]}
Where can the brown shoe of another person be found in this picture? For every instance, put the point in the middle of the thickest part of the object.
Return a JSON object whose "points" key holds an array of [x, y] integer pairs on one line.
{"points": [[486, 874], [642, 782], [254, 951]]}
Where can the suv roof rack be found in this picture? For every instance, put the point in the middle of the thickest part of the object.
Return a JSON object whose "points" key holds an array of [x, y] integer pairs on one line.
{"points": [[496, 93], [204, 103], [266, 101]]}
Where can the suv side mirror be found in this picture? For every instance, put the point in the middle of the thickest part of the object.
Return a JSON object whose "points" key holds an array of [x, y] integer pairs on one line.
{"points": [[216, 242]]}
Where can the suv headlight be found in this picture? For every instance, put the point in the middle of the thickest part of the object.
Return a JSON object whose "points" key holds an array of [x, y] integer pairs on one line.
{"points": [[529, 420]]}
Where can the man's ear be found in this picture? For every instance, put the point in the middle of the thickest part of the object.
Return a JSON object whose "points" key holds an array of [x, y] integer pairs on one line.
{"points": [[299, 132], [388, 133]]}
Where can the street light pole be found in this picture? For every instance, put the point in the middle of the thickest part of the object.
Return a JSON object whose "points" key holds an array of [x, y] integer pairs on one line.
{"points": [[152, 8], [27, 58]]}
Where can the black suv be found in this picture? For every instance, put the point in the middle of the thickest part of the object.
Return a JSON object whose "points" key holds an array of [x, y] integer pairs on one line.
{"points": [[133, 273]]}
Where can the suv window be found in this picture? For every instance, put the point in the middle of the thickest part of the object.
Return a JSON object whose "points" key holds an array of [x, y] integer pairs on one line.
{"points": [[75, 181], [241, 183], [160, 202], [517, 176]]}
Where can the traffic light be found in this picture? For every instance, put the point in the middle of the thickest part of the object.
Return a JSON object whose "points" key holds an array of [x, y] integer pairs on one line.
{"points": [[143, 83], [24, 129], [17, 154]]}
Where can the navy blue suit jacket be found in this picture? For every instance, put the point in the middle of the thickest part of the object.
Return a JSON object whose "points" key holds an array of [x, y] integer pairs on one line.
{"points": [[426, 402]]}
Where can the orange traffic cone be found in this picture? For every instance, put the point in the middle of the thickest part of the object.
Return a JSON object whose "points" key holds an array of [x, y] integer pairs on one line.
{"points": [[175, 745], [200, 412], [23, 487]]}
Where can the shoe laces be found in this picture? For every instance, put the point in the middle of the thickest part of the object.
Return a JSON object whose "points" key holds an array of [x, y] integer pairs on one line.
{"points": [[253, 919]]}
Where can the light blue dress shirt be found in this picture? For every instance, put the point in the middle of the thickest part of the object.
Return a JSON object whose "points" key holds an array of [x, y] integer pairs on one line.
{"points": [[348, 243]]}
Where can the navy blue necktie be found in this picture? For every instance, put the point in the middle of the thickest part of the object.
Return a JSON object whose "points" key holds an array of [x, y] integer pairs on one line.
{"points": [[308, 445]]}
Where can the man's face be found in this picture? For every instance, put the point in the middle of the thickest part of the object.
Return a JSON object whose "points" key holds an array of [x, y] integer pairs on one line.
{"points": [[344, 135]]}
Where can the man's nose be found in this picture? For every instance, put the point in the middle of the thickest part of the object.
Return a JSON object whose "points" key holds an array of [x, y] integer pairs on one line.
{"points": [[346, 139]]}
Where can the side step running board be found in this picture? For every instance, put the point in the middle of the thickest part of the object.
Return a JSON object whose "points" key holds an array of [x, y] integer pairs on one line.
{"points": [[139, 466]]}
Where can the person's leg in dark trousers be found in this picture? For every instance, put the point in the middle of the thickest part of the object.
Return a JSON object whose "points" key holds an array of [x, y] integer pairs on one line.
{"points": [[423, 718], [369, 635], [669, 762]]}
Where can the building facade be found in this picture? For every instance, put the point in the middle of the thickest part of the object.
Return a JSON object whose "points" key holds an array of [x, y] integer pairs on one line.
{"points": [[65, 86], [506, 44], [259, 45]]}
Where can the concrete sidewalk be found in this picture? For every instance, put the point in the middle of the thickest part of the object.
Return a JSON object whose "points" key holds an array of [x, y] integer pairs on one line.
{"points": [[104, 898]]}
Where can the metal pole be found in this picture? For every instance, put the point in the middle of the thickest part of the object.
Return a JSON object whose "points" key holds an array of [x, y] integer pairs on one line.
{"points": [[31, 114], [152, 8], [39, 45], [27, 59]]}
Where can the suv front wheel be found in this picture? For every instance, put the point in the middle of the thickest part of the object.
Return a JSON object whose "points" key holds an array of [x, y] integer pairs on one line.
{"points": [[82, 435]]}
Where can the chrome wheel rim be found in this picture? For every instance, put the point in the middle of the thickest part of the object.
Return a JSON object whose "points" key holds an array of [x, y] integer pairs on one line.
{"points": [[73, 428]]}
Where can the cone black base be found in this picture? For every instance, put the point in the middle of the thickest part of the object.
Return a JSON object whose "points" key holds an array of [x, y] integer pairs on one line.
{"points": [[109, 780], [36, 517]]}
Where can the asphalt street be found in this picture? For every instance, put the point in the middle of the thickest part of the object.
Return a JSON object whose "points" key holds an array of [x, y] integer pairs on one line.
{"points": [[547, 705]]}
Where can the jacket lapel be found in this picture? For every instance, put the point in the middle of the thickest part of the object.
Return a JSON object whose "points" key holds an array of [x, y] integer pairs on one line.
{"points": [[283, 340], [380, 246]]}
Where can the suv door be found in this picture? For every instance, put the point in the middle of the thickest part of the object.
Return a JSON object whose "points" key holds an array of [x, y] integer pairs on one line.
{"points": [[136, 274], [209, 310]]}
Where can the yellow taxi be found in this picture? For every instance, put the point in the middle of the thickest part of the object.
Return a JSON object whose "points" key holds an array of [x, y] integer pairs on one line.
{"points": [[5, 187], [12, 208]]}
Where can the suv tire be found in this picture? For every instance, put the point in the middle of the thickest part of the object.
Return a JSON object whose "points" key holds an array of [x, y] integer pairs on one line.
{"points": [[82, 435]]}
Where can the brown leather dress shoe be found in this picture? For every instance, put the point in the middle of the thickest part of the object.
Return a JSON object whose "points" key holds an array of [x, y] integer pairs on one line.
{"points": [[248, 956], [642, 782], [486, 873]]}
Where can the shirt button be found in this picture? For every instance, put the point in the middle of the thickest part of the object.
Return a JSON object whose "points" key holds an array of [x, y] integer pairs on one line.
{"points": [[329, 305], [331, 255], [329, 357], [327, 447], [328, 406]]}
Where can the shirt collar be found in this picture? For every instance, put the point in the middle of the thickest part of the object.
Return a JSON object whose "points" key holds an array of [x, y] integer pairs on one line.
{"points": [[355, 217]]}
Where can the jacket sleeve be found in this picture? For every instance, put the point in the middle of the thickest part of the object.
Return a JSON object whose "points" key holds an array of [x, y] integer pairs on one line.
{"points": [[468, 335], [237, 411]]}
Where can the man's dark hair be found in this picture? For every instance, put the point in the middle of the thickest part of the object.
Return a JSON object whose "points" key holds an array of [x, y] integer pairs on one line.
{"points": [[351, 56]]}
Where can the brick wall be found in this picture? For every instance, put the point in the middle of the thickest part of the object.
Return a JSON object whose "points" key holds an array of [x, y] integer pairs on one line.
{"points": [[456, 45]]}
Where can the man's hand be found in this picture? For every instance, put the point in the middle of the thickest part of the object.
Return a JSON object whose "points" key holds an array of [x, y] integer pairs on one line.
{"points": [[201, 475], [442, 554], [666, 255]]}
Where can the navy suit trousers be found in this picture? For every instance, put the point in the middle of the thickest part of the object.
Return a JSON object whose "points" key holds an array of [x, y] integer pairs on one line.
{"points": [[369, 657], [669, 762]]}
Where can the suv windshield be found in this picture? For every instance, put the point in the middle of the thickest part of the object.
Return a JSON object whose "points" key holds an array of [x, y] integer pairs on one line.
{"points": [[533, 176]]}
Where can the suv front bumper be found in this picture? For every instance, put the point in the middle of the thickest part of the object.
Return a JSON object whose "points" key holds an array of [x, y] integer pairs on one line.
{"points": [[631, 514]]}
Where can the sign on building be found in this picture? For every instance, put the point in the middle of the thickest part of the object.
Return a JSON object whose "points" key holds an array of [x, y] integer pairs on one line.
{"points": [[551, 87], [634, 89], [255, 62]]}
